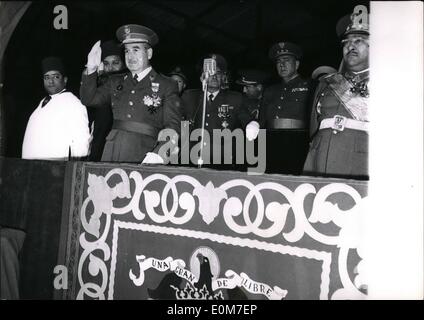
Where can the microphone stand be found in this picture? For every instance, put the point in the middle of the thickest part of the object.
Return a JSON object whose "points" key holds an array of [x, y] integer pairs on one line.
{"points": [[204, 87]]}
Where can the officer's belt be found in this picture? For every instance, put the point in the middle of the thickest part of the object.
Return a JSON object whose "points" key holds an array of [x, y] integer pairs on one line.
{"points": [[288, 124], [339, 123], [136, 127]]}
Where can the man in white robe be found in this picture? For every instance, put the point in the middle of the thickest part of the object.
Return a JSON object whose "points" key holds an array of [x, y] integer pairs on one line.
{"points": [[58, 127]]}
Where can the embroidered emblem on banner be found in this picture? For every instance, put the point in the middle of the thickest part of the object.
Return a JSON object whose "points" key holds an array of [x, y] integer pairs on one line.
{"points": [[202, 281]]}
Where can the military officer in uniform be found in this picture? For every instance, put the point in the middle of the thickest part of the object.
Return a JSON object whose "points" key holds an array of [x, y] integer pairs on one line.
{"points": [[178, 75], [144, 103], [102, 118], [339, 119], [286, 111], [252, 81], [286, 103], [224, 110]]}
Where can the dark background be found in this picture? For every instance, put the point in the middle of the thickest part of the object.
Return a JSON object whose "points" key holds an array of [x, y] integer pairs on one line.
{"points": [[241, 30]]}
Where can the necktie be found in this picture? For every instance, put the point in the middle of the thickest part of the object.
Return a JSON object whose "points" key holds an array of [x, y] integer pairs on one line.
{"points": [[135, 78], [46, 101], [210, 97]]}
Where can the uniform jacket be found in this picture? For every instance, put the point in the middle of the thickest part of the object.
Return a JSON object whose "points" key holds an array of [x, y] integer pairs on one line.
{"points": [[341, 154], [289, 100], [57, 129], [226, 111], [254, 107], [153, 101], [103, 120]]}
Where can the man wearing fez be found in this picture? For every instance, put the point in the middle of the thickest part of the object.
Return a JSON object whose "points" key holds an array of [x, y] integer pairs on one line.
{"points": [[224, 110], [58, 127], [252, 81], [286, 103], [144, 103], [339, 120], [112, 63]]}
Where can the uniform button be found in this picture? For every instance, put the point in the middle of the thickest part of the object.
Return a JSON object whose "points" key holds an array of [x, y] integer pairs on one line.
{"points": [[322, 94], [206, 124], [132, 91], [130, 103], [207, 115], [281, 98], [128, 116], [279, 107], [297, 99], [277, 117]]}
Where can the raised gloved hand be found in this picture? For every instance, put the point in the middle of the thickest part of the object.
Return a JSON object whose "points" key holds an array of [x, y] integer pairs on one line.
{"points": [[152, 157], [252, 130], [94, 58]]}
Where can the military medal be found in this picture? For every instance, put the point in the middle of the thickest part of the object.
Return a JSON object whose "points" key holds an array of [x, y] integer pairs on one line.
{"points": [[155, 87], [361, 88], [154, 101], [223, 112]]}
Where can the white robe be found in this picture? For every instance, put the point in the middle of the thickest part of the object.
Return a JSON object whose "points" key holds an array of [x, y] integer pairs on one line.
{"points": [[61, 124]]}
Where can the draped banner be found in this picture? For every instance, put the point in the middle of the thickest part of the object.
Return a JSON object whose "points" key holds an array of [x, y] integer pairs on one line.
{"points": [[155, 232]]}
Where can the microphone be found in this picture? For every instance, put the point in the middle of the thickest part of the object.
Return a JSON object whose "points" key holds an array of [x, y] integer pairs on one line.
{"points": [[209, 67]]}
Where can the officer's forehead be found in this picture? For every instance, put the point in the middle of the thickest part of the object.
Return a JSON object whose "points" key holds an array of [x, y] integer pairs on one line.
{"points": [[357, 35], [285, 57], [138, 45]]}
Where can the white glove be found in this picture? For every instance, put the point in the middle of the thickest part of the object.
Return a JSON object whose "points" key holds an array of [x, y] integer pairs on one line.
{"points": [[94, 58], [152, 157], [252, 130]]}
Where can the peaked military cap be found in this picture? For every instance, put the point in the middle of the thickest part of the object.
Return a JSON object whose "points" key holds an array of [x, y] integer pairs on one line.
{"points": [[134, 33], [251, 77], [352, 24], [285, 48], [177, 71]]}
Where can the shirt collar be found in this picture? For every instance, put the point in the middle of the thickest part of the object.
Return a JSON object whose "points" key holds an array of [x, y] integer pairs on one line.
{"points": [[142, 74], [214, 94], [54, 95], [358, 76], [292, 79]]}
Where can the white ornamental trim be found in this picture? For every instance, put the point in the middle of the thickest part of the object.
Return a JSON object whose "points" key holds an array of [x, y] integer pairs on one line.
{"points": [[98, 207]]}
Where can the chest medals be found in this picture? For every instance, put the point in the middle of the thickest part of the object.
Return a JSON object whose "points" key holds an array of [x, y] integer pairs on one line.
{"points": [[153, 101], [224, 115]]}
